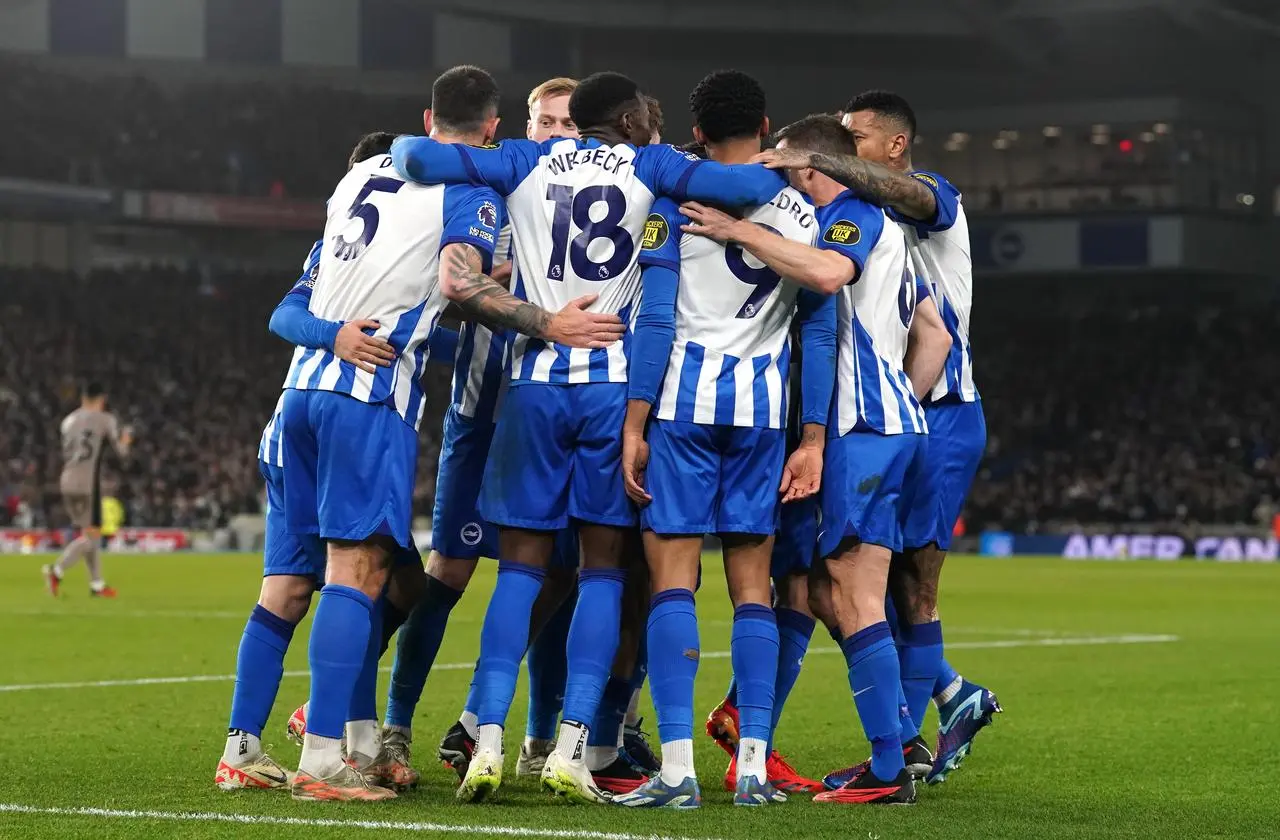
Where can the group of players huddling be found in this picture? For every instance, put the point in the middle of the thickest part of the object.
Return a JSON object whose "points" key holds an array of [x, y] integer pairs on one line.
{"points": [[624, 384]]}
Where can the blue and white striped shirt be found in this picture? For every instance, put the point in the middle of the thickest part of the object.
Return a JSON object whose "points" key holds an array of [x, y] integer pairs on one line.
{"points": [[380, 261], [939, 251], [578, 210], [730, 359], [873, 391]]}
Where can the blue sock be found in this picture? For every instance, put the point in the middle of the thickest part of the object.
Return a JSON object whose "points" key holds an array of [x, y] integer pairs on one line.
{"points": [[731, 696], [473, 693], [504, 638], [920, 658], [339, 642], [795, 629], [593, 640], [906, 724], [364, 698], [416, 650], [946, 676], [259, 667], [548, 668], [875, 682], [672, 641], [641, 672], [609, 715], [753, 649]]}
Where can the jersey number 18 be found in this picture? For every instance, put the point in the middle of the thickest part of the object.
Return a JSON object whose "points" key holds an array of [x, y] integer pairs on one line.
{"points": [[574, 210]]}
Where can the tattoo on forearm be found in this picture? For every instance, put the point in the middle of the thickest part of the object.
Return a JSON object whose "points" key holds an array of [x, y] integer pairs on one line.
{"points": [[878, 184], [486, 300], [812, 434]]}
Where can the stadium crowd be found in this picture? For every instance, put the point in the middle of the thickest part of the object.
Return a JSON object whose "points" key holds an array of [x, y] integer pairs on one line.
{"points": [[197, 412], [1129, 414]]}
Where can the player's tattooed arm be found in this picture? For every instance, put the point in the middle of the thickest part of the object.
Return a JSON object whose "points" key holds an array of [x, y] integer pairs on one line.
{"points": [[484, 299], [870, 181]]}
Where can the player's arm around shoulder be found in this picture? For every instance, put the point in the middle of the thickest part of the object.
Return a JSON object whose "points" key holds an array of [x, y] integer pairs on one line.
{"points": [[907, 194], [812, 268], [501, 166], [480, 297]]}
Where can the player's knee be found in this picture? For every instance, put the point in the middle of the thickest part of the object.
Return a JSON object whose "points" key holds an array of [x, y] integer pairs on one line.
{"points": [[454, 572], [361, 566], [287, 596], [407, 585], [793, 593]]}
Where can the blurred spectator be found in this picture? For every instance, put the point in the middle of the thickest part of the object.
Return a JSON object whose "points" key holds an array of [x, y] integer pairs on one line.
{"points": [[187, 361]]}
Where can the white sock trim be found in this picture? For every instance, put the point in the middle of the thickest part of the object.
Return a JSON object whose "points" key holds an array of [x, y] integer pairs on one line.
{"points": [[241, 749], [677, 761], [752, 754], [470, 723], [952, 689], [571, 745], [489, 738]]}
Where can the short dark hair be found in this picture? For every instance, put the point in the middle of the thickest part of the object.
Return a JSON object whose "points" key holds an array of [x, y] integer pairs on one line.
{"points": [[463, 97], [371, 145], [92, 390], [600, 98], [694, 148], [728, 104], [886, 104], [820, 133]]}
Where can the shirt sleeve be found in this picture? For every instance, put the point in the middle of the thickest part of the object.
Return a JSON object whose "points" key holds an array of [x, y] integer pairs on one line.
{"points": [[817, 315], [851, 227], [660, 243], [310, 269], [473, 216], [655, 331], [946, 199], [502, 166], [292, 320], [681, 176]]}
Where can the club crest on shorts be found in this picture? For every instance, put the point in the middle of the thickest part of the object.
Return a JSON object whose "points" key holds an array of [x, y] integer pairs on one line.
{"points": [[471, 534]]}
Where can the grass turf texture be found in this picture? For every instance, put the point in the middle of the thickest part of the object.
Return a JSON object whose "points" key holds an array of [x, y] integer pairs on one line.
{"points": [[1103, 740]]}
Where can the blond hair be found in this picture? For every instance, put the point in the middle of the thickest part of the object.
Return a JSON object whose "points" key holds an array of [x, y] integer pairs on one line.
{"points": [[559, 86]]}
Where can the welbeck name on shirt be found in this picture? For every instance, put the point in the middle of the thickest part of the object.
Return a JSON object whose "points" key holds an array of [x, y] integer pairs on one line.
{"points": [[601, 156]]}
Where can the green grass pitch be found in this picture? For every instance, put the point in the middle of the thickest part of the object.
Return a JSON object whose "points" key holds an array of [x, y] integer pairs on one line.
{"points": [[1141, 702]]}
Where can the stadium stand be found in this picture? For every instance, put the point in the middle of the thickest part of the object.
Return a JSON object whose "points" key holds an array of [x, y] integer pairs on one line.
{"points": [[1134, 412]]}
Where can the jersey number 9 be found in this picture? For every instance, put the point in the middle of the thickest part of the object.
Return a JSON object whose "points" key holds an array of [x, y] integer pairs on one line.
{"points": [[575, 210], [349, 249], [764, 279]]}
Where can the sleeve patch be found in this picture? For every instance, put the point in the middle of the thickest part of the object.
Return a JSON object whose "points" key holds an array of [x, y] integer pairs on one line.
{"points": [[655, 233], [487, 213], [926, 178], [843, 232]]}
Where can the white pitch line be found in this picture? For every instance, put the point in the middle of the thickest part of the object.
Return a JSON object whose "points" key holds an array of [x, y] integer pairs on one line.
{"points": [[378, 825], [995, 644], [126, 613]]}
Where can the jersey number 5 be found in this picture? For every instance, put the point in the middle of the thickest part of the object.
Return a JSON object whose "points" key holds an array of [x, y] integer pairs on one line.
{"points": [[764, 279], [575, 210], [349, 249]]}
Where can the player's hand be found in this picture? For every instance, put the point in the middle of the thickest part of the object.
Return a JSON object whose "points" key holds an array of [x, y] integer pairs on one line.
{"points": [[635, 460], [802, 475], [126, 437], [709, 222], [367, 352], [574, 326], [784, 159]]}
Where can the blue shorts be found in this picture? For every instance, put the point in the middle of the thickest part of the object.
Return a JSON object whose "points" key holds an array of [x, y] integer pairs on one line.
{"points": [[457, 528], [867, 484], [349, 468], [284, 553], [556, 454], [797, 538], [713, 479], [957, 441]]}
